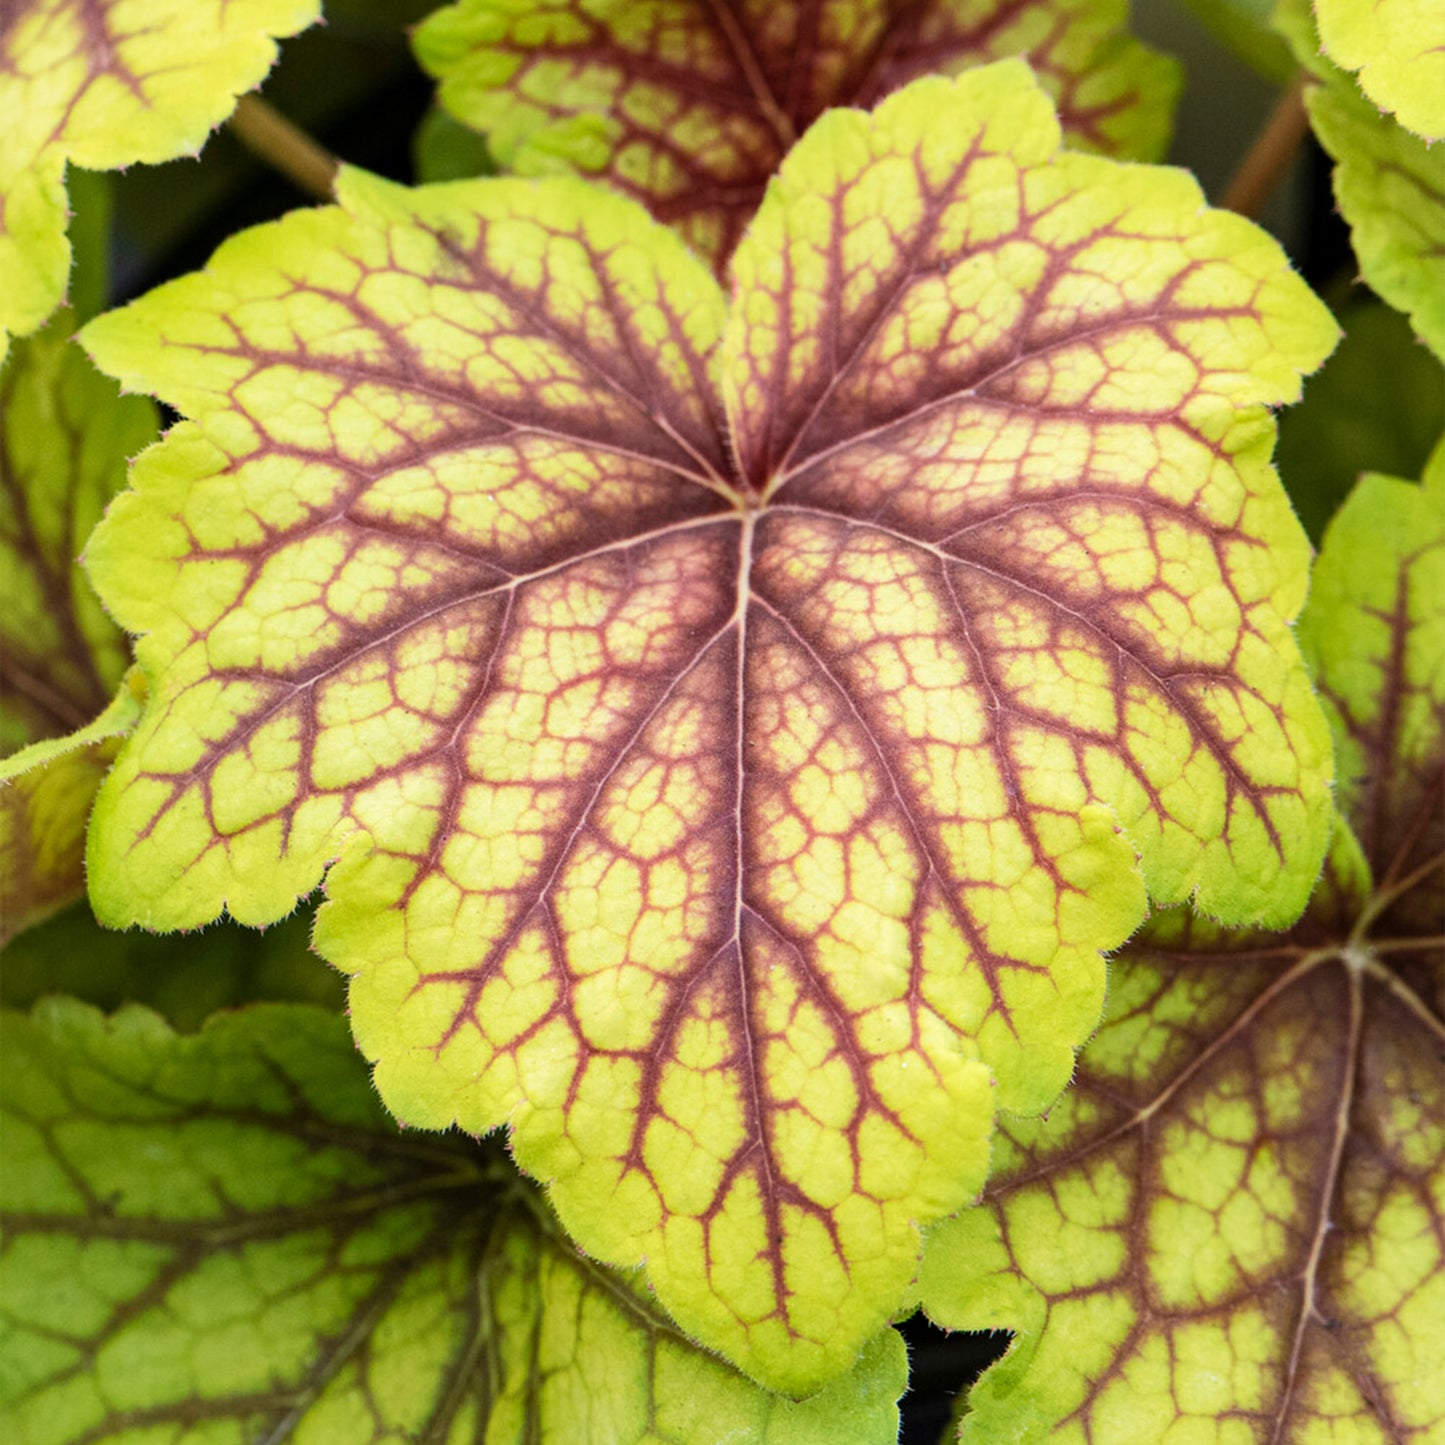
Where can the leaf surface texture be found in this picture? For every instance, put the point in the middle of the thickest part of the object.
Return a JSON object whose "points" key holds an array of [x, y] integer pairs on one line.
{"points": [[737, 725]]}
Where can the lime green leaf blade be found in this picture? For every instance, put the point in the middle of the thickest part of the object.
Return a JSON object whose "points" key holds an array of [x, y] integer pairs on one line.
{"points": [[101, 84], [689, 106], [1398, 48], [223, 1237], [1390, 187], [1389, 184], [46, 792], [1020, 387], [714, 805], [1238, 1211], [66, 435]]}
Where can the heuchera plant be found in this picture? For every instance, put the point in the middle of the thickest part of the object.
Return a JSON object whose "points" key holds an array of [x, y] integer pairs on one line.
{"points": [[770, 636]]}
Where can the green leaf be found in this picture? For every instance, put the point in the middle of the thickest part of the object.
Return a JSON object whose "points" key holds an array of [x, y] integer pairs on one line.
{"points": [[736, 726], [66, 435], [1398, 48], [1390, 187], [46, 792], [1379, 403], [223, 1238], [1373, 638], [1389, 184], [689, 105], [1238, 1211], [101, 84]]}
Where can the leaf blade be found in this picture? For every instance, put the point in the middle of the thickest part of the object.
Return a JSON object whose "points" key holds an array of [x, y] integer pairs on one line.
{"points": [[103, 85], [689, 107], [630, 782], [1238, 1206], [268, 1255]]}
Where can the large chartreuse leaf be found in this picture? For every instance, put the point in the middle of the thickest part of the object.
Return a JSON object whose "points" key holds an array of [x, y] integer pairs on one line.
{"points": [[1237, 1213], [737, 725], [1398, 48], [689, 105], [100, 84], [1390, 185], [223, 1238]]}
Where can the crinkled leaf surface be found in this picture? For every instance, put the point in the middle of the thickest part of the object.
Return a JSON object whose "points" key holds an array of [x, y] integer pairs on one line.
{"points": [[1237, 1214], [103, 83], [46, 793], [224, 1238], [66, 435], [690, 105], [1398, 48], [737, 725], [1389, 184]]}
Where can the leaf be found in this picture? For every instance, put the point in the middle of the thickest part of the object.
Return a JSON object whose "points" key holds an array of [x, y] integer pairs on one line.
{"points": [[1390, 185], [1378, 403], [223, 1237], [1237, 1212], [46, 792], [690, 105], [1398, 47], [724, 773], [66, 434], [101, 84]]}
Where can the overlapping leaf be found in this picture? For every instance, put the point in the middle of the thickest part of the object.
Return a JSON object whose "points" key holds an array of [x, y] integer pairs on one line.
{"points": [[1391, 189], [224, 1238], [100, 84], [46, 793], [1398, 48], [1238, 1212], [66, 435], [1389, 184], [737, 726], [689, 105]]}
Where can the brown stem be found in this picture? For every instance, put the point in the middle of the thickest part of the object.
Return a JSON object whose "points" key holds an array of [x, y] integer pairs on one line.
{"points": [[285, 147], [1270, 155]]}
